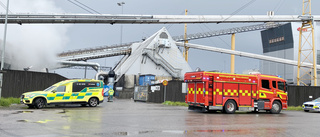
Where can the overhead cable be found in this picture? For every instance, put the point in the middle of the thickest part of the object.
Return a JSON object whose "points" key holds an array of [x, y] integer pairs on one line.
{"points": [[84, 8], [5, 7], [87, 7], [240, 9]]}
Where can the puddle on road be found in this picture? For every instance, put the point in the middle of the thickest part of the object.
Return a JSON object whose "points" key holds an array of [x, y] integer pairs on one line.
{"points": [[63, 111], [22, 120], [18, 112], [43, 121]]}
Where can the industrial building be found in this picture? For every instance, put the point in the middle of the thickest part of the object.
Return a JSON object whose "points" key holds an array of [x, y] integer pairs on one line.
{"points": [[283, 42], [157, 55]]}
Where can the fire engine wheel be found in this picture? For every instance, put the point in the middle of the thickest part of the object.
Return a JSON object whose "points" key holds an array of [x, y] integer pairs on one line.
{"points": [[230, 107], [276, 108], [93, 102], [39, 103]]}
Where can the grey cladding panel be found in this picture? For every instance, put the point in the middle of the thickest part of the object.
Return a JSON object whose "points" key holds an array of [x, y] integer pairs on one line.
{"points": [[277, 38]]}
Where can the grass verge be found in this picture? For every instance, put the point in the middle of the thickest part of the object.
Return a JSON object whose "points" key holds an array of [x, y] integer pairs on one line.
{"points": [[8, 101], [170, 103], [296, 108]]}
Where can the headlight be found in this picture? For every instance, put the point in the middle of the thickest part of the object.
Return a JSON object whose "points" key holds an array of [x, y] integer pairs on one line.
{"points": [[30, 96]]}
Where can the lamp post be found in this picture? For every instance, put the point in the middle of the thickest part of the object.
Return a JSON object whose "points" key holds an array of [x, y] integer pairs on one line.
{"points": [[3, 47], [121, 4]]}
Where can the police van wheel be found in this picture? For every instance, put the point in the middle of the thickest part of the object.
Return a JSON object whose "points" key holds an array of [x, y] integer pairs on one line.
{"points": [[93, 102], [276, 108], [39, 103], [230, 107]]}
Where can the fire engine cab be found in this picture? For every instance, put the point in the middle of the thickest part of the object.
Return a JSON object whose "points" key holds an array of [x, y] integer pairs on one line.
{"points": [[212, 91]]}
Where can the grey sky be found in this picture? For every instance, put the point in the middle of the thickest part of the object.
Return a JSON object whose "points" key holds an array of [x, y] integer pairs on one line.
{"points": [[79, 36]]}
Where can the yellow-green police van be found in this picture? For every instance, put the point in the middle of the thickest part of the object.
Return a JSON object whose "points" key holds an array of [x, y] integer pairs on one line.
{"points": [[84, 92]]}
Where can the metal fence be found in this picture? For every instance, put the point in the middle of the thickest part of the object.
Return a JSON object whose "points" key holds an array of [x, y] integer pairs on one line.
{"points": [[140, 93], [17, 82]]}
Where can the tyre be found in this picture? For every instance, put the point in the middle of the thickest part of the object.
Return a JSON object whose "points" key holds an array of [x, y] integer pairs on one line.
{"points": [[93, 102], [276, 107], [306, 110], [39, 103], [230, 107]]}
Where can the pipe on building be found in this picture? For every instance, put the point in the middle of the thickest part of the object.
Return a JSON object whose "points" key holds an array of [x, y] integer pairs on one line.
{"points": [[95, 66]]}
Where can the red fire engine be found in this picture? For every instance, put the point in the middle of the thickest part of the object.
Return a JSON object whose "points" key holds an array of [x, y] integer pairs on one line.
{"points": [[230, 92]]}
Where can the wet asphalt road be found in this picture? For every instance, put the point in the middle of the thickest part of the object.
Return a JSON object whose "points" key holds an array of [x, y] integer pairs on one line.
{"points": [[128, 118]]}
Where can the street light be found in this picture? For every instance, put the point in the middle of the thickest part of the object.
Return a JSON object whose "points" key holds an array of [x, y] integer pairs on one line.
{"points": [[121, 4]]}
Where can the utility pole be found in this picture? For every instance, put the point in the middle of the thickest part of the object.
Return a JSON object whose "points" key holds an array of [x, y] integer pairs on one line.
{"points": [[3, 47], [233, 45], [186, 48]]}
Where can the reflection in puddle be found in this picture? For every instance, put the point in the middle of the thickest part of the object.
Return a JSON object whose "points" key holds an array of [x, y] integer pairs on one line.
{"points": [[18, 112], [134, 133], [231, 131], [43, 121], [235, 131], [63, 111]]}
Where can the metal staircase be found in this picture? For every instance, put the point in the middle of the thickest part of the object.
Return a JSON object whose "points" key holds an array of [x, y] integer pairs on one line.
{"points": [[174, 72]]}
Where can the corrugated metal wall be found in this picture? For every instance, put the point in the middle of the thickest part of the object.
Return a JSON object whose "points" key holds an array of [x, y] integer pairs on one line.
{"points": [[173, 93], [296, 94], [17, 82]]}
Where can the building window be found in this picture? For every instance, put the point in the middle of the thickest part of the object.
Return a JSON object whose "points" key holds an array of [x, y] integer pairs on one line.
{"points": [[164, 35], [279, 39]]}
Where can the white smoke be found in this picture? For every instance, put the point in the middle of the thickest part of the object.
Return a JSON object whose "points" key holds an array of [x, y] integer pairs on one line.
{"points": [[33, 45]]}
